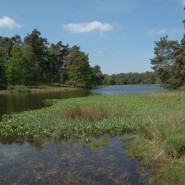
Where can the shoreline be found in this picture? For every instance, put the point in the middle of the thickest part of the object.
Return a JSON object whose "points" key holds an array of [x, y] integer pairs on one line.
{"points": [[152, 124], [58, 89], [40, 90]]}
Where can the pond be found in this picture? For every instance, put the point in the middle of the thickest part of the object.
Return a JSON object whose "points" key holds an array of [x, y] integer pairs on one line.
{"points": [[10, 103], [18, 102], [128, 89], [103, 160]]}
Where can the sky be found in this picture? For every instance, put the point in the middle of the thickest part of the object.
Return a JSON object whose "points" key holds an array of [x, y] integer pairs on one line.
{"points": [[118, 35]]}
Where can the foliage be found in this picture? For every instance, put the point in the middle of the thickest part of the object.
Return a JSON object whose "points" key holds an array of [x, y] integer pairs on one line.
{"points": [[34, 62], [58, 54], [15, 68], [2, 69], [78, 71], [130, 78], [97, 75], [166, 65], [18, 89], [37, 59], [169, 62]]}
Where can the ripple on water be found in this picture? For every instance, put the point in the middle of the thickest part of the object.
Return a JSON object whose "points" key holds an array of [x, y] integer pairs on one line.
{"points": [[102, 161]]}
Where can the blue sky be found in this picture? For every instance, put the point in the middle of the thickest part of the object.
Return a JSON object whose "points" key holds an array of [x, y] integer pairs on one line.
{"points": [[118, 35]]}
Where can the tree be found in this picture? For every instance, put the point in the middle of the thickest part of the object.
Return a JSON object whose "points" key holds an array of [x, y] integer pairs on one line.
{"points": [[32, 62], [16, 40], [78, 71], [57, 58], [15, 66], [7, 44], [97, 75], [2, 69], [168, 62], [39, 56], [27, 52]]}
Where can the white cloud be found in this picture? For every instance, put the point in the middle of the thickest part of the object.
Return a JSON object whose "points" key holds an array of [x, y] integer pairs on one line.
{"points": [[156, 32], [183, 2], [169, 31], [7, 22], [87, 27]]}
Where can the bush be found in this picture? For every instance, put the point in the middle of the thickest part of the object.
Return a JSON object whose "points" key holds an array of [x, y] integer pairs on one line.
{"points": [[18, 89]]}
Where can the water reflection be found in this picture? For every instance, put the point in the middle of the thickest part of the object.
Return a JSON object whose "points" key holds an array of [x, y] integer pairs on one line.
{"points": [[10, 103], [68, 162]]}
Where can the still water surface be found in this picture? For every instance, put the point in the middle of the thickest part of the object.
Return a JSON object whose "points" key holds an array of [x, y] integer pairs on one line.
{"points": [[10, 103], [128, 89], [67, 162]]}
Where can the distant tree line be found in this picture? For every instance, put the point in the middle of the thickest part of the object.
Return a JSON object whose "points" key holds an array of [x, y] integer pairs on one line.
{"points": [[34, 62], [130, 79], [169, 62]]}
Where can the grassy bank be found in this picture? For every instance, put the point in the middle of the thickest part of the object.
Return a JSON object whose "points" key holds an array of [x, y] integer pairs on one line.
{"points": [[38, 89], [156, 123]]}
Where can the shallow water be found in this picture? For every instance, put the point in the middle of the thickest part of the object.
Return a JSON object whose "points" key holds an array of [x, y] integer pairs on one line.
{"points": [[103, 161], [10, 103]]}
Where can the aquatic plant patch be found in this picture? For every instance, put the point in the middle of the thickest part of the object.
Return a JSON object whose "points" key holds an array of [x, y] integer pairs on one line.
{"points": [[157, 118], [157, 121]]}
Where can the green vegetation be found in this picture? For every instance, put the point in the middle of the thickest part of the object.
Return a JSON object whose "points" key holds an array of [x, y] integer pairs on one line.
{"points": [[34, 62], [155, 123], [96, 144], [19, 89], [131, 79], [169, 62]]}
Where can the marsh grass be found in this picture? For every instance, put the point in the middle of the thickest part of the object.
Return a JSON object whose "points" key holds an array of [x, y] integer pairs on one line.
{"points": [[91, 113], [165, 170], [175, 146]]}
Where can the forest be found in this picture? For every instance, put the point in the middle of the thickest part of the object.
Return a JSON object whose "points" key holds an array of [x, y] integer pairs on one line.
{"points": [[131, 78], [34, 61]]}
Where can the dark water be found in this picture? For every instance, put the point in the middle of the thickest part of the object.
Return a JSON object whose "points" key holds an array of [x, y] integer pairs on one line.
{"points": [[10, 103], [69, 162]]}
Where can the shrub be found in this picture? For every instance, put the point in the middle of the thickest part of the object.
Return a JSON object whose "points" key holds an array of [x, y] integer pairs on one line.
{"points": [[18, 89]]}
